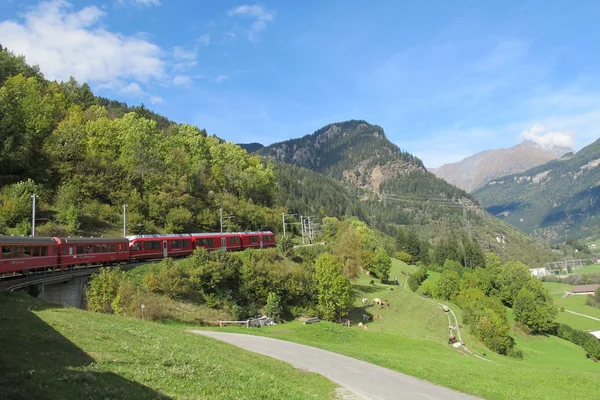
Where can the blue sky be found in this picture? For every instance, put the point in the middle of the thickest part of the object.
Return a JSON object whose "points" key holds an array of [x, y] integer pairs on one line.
{"points": [[445, 79]]}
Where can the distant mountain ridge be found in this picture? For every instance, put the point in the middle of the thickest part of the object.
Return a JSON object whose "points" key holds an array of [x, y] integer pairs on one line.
{"points": [[389, 188], [353, 151], [558, 200], [475, 171]]}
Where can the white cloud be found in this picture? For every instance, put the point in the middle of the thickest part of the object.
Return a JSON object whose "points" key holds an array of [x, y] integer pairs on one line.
{"points": [[142, 3], [538, 134], [156, 99], [261, 17], [181, 80], [221, 78], [204, 39], [132, 89], [65, 42], [184, 58]]}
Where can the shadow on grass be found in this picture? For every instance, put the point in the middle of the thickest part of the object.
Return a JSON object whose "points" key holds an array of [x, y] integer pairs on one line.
{"points": [[367, 288], [37, 362]]}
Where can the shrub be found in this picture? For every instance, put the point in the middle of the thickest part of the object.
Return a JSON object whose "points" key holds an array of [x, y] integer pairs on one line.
{"points": [[273, 307], [514, 353], [404, 257]]}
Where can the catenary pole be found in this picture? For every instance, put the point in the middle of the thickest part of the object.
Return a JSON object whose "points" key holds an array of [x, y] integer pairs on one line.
{"points": [[33, 215]]}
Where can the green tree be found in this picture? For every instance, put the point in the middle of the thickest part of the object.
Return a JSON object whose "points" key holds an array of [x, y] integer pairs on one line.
{"points": [[511, 279], [533, 307], [102, 293], [273, 307], [448, 286], [382, 264], [178, 219], [333, 287]]}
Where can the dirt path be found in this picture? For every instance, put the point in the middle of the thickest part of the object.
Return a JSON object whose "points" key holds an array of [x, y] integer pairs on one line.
{"points": [[583, 315], [367, 380]]}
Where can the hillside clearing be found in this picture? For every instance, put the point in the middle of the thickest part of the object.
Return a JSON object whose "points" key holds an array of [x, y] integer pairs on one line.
{"points": [[62, 353]]}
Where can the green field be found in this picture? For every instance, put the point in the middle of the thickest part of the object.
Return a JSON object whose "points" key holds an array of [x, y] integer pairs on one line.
{"points": [[52, 352], [588, 269], [573, 303], [411, 338]]}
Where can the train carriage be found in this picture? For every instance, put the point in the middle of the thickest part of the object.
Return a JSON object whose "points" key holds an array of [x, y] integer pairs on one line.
{"points": [[257, 240], [144, 247], [83, 251], [21, 253], [229, 241]]}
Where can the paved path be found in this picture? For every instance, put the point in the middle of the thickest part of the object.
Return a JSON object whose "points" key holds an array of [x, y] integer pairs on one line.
{"points": [[583, 315], [369, 380]]}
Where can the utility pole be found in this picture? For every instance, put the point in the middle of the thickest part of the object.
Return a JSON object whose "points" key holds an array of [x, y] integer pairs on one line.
{"points": [[302, 227], [310, 235], [33, 215], [124, 220], [283, 216], [221, 218]]}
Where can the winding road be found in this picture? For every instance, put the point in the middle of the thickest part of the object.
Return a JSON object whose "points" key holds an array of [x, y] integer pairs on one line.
{"points": [[368, 380]]}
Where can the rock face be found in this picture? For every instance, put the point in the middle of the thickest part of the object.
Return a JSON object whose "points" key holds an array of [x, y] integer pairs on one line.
{"points": [[477, 170], [354, 151]]}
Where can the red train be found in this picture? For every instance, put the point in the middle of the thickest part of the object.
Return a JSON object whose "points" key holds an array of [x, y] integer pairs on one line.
{"points": [[20, 254]]}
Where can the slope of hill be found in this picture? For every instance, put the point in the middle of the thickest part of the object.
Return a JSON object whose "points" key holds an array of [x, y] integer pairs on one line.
{"points": [[557, 200], [50, 352], [475, 171], [371, 178], [353, 151]]}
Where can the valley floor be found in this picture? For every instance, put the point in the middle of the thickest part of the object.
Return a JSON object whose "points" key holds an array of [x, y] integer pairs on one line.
{"points": [[411, 337]]}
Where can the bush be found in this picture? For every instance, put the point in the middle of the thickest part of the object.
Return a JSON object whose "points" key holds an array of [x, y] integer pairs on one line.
{"points": [[404, 257], [514, 353], [273, 307], [416, 278], [583, 339]]}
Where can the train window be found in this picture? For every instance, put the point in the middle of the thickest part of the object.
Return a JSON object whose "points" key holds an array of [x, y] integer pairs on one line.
{"points": [[151, 244], [187, 243], [17, 251], [253, 239], [177, 243], [6, 251], [88, 249], [111, 248], [105, 248], [136, 246], [35, 251], [96, 248], [80, 249], [44, 251], [27, 251], [267, 238], [233, 240]]}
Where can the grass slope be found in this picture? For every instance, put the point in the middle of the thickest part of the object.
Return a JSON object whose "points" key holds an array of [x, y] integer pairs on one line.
{"points": [[61, 353], [411, 338], [573, 303]]}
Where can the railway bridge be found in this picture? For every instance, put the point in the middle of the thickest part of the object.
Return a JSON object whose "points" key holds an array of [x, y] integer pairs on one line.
{"points": [[57, 287]]}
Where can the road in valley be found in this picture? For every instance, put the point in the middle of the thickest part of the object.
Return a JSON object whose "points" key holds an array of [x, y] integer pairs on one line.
{"points": [[368, 380]]}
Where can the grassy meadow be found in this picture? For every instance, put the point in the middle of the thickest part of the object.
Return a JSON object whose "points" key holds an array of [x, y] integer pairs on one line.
{"points": [[573, 303], [411, 337], [52, 352]]}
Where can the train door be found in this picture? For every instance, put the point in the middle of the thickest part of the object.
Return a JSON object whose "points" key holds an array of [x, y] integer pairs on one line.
{"points": [[165, 252], [224, 243], [261, 242]]}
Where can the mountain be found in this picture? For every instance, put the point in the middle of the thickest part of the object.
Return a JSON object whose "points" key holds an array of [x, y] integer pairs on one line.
{"points": [[354, 151], [558, 200], [251, 147], [369, 177], [475, 171]]}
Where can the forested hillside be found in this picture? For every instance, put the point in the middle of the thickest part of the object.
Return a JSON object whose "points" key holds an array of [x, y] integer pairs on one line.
{"points": [[86, 156], [389, 189], [556, 201]]}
